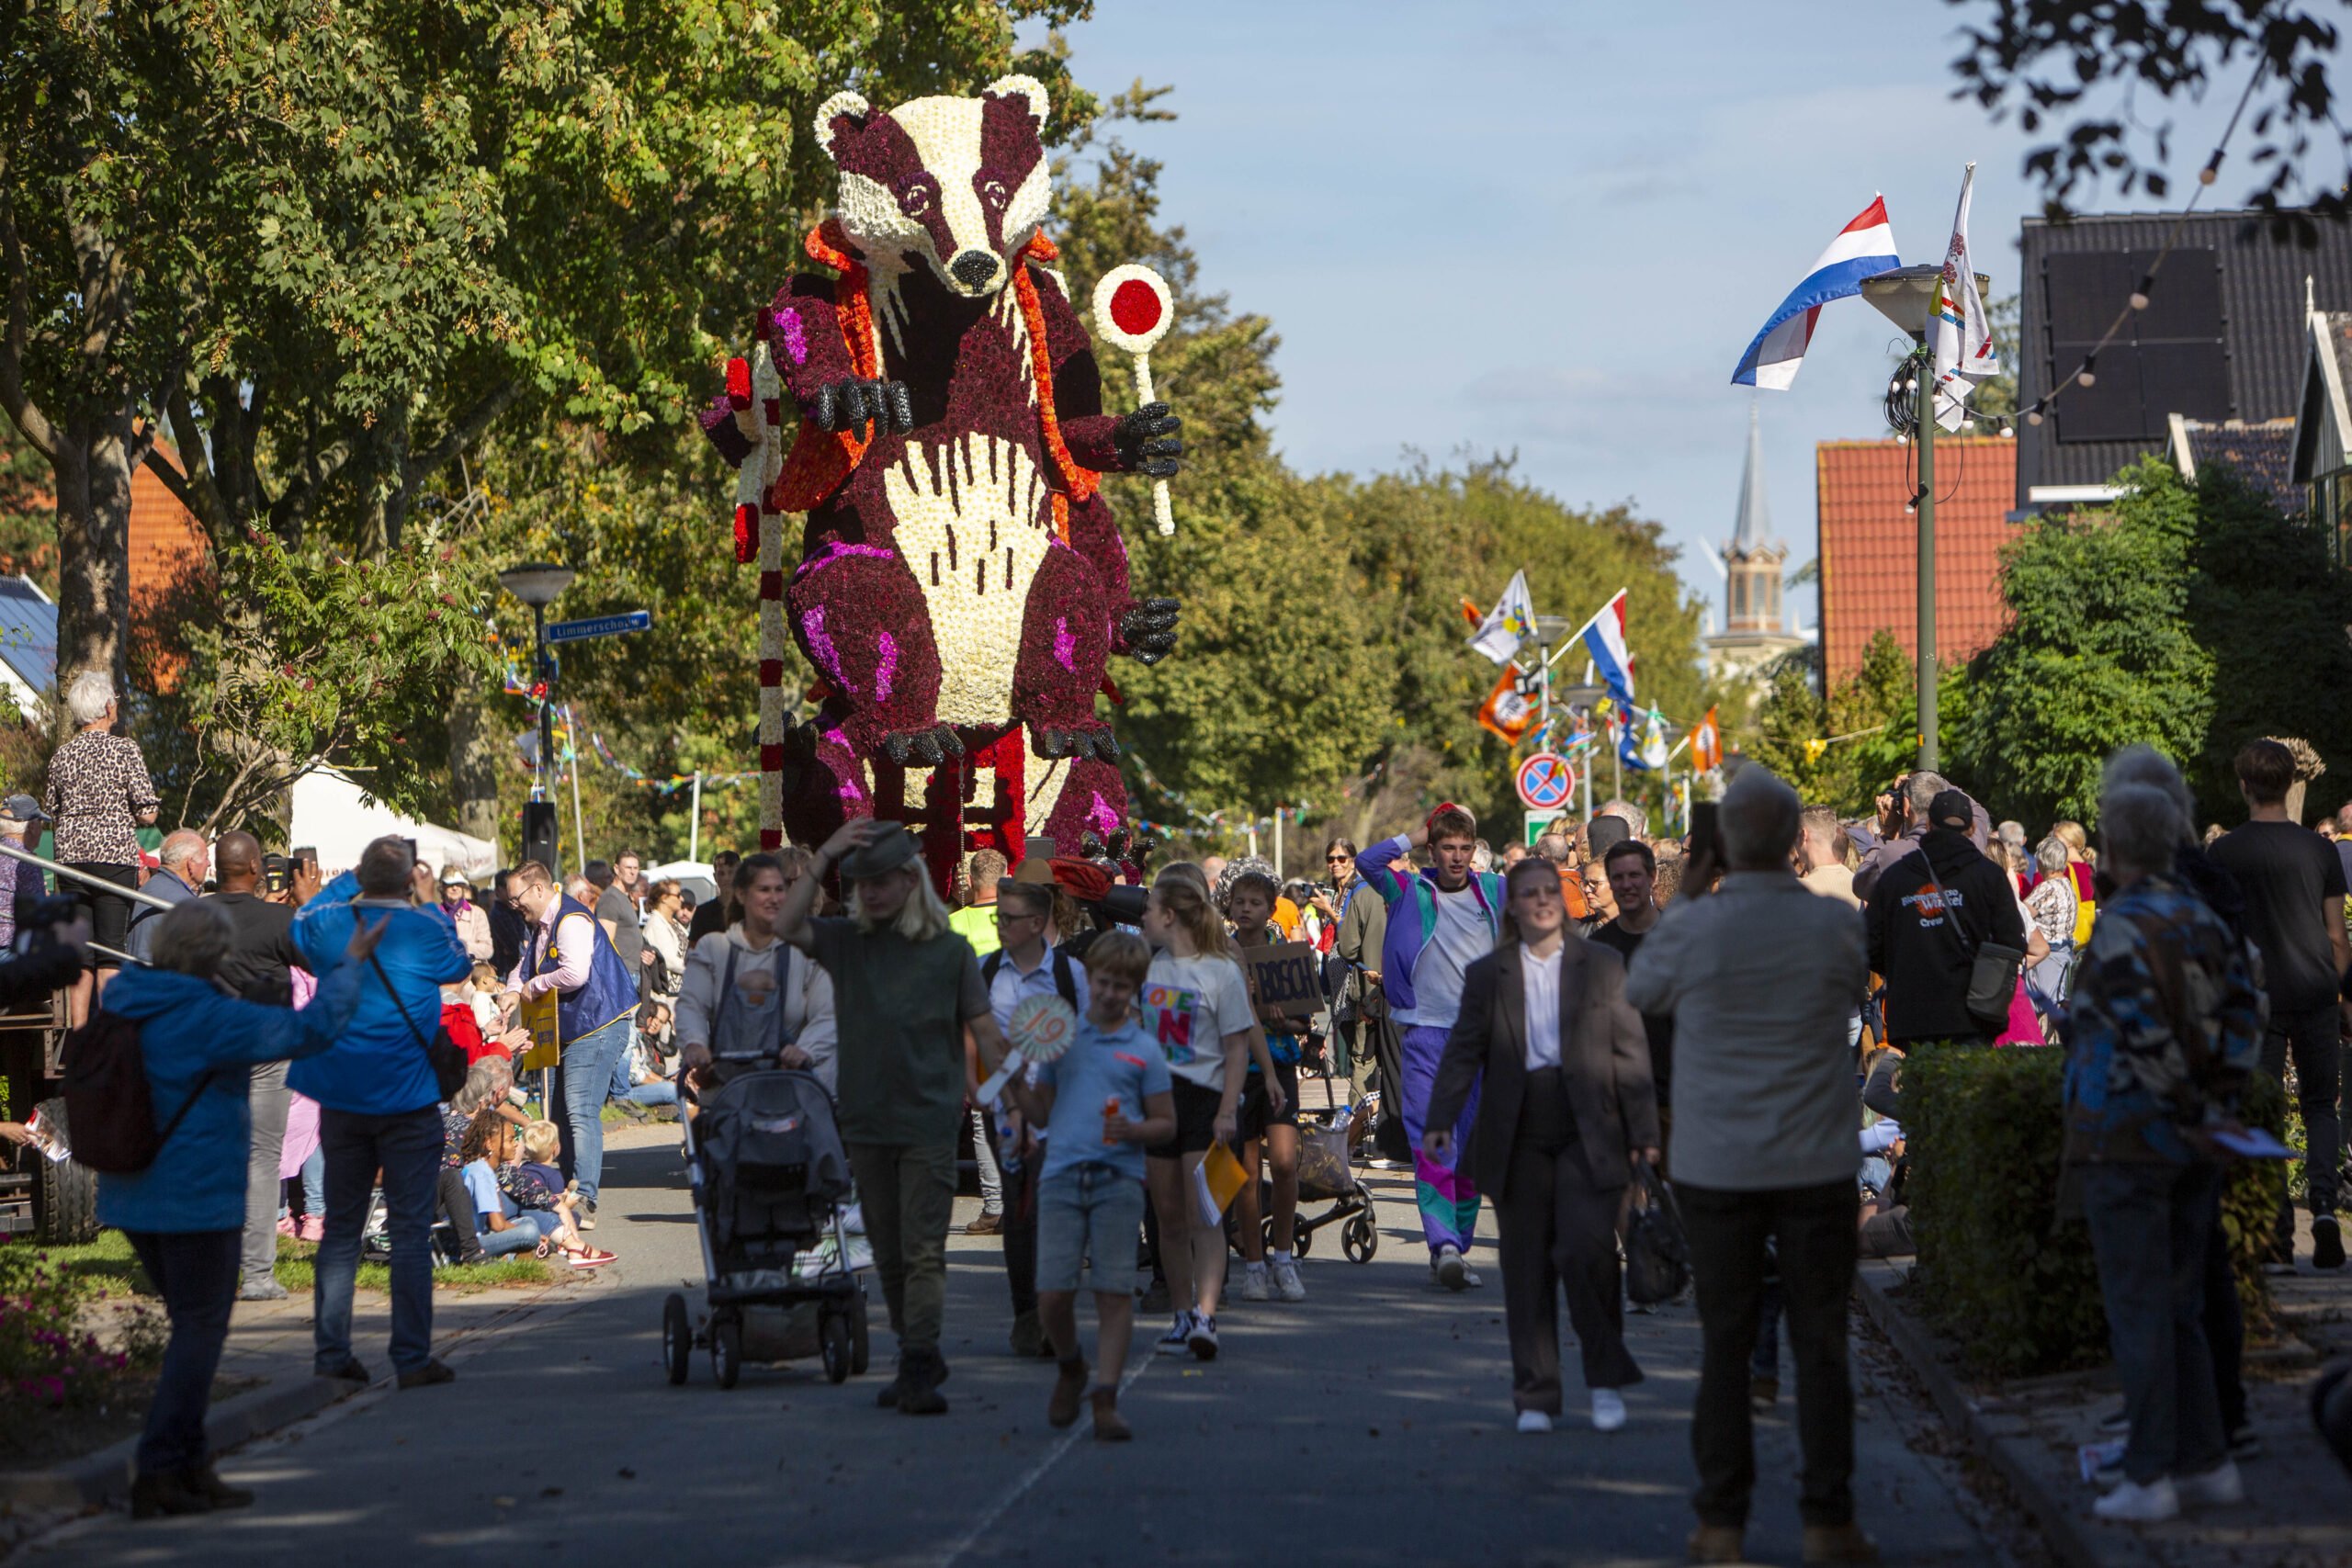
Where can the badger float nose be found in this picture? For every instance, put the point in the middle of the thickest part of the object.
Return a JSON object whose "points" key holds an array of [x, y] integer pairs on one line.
{"points": [[973, 269]]}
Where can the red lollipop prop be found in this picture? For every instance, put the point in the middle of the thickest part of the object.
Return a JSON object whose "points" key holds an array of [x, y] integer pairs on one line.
{"points": [[1133, 311]]}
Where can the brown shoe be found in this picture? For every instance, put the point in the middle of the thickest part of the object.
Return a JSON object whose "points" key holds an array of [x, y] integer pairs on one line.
{"points": [[1068, 1388], [1718, 1543], [1838, 1543], [1109, 1427], [987, 1225]]}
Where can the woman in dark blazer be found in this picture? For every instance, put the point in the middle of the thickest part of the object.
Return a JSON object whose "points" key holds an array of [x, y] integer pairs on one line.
{"points": [[1565, 1112]]}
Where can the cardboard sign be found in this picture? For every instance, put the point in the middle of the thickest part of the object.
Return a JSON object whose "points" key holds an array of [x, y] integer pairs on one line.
{"points": [[537, 1014], [1286, 978]]}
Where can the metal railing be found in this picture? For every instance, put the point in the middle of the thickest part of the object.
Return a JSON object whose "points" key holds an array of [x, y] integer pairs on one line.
{"points": [[100, 883]]}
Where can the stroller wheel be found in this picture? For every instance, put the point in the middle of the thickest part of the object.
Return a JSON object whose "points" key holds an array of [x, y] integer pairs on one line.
{"points": [[834, 1339], [861, 1346], [1359, 1239], [677, 1337], [1301, 1235], [726, 1351]]}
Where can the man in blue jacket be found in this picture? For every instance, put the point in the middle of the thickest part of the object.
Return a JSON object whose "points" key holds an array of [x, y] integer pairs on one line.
{"points": [[566, 951], [379, 1102], [1439, 921]]}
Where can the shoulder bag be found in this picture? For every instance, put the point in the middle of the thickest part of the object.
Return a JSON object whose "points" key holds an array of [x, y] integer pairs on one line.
{"points": [[441, 1052]]}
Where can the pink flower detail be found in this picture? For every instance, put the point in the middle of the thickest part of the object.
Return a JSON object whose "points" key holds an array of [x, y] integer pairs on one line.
{"points": [[1065, 644], [887, 666], [821, 644], [1104, 819], [796, 341]]}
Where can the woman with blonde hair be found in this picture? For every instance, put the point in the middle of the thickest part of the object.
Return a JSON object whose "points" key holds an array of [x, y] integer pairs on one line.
{"points": [[1196, 1008], [906, 987]]}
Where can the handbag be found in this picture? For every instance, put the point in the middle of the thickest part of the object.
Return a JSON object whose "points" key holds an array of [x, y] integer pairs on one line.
{"points": [[1992, 984], [1658, 1256], [441, 1052]]}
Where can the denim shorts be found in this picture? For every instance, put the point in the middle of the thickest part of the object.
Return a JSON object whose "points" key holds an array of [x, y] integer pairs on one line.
{"points": [[1087, 1218]]}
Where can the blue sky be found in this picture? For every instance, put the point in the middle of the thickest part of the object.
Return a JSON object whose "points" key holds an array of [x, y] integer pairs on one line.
{"points": [[1552, 228]]}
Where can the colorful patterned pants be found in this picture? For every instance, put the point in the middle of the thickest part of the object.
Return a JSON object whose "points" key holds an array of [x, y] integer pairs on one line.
{"points": [[1447, 1195]]}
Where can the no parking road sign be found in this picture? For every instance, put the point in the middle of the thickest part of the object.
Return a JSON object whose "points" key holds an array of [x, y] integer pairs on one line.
{"points": [[1546, 782]]}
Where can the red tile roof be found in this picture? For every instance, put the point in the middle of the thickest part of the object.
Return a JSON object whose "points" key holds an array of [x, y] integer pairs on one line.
{"points": [[1869, 548]]}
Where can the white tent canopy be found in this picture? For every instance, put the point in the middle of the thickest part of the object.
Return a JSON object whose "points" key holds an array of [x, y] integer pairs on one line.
{"points": [[693, 875], [337, 817]]}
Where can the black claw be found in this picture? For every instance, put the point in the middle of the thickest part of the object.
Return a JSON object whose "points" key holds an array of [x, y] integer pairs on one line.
{"points": [[951, 742], [1106, 746], [826, 413], [1052, 742], [897, 748], [902, 408], [926, 747]]}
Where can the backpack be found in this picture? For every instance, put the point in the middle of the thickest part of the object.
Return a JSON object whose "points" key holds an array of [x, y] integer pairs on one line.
{"points": [[109, 1108], [1064, 981]]}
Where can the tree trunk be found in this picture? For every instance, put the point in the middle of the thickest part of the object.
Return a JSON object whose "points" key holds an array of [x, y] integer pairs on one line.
{"points": [[93, 468], [473, 763]]}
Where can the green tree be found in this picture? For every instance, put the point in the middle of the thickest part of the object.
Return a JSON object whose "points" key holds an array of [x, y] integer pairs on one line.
{"points": [[2100, 653]]}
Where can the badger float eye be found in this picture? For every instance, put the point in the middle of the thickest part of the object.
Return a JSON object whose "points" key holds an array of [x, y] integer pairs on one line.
{"points": [[994, 192], [916, 199]]}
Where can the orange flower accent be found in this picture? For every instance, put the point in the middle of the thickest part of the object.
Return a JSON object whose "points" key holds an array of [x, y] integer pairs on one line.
{"points": [[1077, 481]]}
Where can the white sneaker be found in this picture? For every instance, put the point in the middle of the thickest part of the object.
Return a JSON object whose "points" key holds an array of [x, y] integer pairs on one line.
{"points": [[1253, 1283], [1202, 1339], [1450, 1269], [1288, 1286], [2149, 1505], [1534, 1421], [1177, 1339], [1470, 1278], [1608, 1410], [2217, 1488]]}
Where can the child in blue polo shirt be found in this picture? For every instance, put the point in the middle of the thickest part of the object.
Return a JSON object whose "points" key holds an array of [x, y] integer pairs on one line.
{"points": [[1101, 1102]]}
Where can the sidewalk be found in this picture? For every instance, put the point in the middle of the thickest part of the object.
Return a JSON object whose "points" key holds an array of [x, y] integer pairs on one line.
{"points": [[2030, 1429]]}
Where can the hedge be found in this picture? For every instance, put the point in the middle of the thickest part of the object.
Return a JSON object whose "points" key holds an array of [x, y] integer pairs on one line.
{"points": [[1997, 1271]]}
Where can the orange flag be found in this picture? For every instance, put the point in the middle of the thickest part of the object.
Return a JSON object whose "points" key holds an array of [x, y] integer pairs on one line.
{"points": [[1706, 745]]}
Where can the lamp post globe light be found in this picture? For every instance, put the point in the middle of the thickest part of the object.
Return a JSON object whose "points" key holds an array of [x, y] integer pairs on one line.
{"points": [[1905, 296], [536, 584]]}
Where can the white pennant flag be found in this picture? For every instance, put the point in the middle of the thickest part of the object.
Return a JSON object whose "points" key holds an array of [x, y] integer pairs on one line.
{"points": [[1507, 624], [1961, 337]]}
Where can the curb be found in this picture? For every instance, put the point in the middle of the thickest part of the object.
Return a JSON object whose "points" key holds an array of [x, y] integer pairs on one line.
{"points": [[2078, 1540], [97, 1480]]}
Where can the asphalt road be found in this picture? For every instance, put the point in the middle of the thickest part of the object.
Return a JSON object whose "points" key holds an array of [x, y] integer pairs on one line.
{"points": [[1368, 1424]]}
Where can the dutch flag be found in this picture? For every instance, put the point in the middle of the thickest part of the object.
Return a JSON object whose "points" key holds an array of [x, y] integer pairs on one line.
{"points": [[1604, 643], [1865, 248]]}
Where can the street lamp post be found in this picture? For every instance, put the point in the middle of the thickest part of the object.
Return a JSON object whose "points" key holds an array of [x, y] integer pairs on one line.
{"points": [[1905, 296], [536, 584]]}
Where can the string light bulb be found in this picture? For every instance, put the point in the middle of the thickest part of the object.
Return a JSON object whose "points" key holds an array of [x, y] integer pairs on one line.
{"points": [[2139, 300], [2008, 430], [2033, 416], [2086, 379]]}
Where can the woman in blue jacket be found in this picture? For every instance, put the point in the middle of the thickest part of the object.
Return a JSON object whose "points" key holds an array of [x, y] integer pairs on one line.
{"points": [[185, 1214]]}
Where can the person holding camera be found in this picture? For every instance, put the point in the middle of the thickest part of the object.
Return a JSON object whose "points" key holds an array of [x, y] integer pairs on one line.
{"points": [[379, 1099], [184, 1214]]}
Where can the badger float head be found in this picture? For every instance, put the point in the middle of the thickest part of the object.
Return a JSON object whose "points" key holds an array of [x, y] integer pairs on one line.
{"points": [[959, 182]]}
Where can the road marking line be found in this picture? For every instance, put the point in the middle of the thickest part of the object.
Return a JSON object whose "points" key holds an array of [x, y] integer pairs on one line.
{"points": [[1035, 1473]]}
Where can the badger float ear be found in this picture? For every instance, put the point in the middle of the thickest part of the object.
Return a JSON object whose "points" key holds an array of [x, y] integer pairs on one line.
{"points": [[1027, 88], [844, 110]]}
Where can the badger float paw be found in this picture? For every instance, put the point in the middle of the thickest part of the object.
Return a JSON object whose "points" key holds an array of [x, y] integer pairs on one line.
{"points": [[1148, 632], [862, 407], [923, 748], [1145, 441], [1080, 742]]}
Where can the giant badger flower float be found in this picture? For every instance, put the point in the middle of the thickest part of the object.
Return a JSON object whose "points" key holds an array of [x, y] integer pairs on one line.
{"points": [[934, 410]]}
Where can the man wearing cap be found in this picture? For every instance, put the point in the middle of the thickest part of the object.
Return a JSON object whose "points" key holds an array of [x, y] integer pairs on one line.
{"points": [[905, 989], [19, 813], [1439, 921], [1927, 915]]}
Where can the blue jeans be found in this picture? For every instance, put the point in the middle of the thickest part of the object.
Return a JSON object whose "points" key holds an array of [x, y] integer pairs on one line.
{"points": [[2151, 1225], [523, 1232], [581, 1083], [653, 1091], [315, 1185], [621, 1085], [1087, 1216], [407, 1147], [197, 1272]]}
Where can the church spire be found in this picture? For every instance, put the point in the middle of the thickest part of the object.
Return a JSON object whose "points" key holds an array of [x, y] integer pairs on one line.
{"points": [[1755, 524]]}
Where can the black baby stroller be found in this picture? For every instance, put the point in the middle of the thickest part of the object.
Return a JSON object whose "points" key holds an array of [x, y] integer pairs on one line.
{"points": [[1324, 1175], [770, 1183]]}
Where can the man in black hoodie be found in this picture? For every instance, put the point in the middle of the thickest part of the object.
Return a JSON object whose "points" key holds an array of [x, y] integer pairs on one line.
{"points": [[1928, 914]]}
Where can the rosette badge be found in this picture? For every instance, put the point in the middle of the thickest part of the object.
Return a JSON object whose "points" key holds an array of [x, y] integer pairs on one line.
{"points": [[1133, 311]]}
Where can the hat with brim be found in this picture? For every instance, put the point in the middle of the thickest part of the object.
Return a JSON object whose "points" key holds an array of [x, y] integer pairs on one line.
{"points": [[885, 853], [1950, 809], [22, 808], [1036, 871]]}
